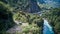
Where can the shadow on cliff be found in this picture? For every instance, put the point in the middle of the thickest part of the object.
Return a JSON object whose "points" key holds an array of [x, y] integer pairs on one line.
{"points": [[6, 20]]}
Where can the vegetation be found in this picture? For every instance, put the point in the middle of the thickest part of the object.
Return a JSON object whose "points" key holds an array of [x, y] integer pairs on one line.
{"points": [[6, 20], [35, 22], [35, 28], [19, 5], [54, 18], [28, 18], [7, 15], [31, 29]]}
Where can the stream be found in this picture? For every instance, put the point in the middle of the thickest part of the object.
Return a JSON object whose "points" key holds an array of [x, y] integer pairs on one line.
{"points": [[47, 29]]}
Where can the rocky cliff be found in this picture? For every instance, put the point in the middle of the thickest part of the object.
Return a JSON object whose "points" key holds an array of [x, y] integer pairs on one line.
{"points": [[33, 7], [24, 5]]}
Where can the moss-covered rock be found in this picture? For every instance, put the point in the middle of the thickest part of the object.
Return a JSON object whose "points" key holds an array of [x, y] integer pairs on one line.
{"points": [[28, 18]]}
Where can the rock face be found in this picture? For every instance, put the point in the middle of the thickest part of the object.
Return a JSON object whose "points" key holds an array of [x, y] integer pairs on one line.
{"points": [[25, 5], [33, 7]]}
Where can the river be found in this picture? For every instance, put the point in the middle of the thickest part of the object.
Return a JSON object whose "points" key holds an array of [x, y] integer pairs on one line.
{"points": [[47, 29]]}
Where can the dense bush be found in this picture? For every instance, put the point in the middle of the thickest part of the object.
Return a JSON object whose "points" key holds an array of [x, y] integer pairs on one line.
{"points": [[28, 18], [6, 19], [30, 29]]}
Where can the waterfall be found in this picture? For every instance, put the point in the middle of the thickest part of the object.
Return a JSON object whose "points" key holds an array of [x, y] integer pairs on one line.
{"points": [[47, 29]]}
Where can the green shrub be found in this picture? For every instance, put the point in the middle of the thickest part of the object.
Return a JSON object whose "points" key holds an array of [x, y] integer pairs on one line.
{"points": [[31, 29]]}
